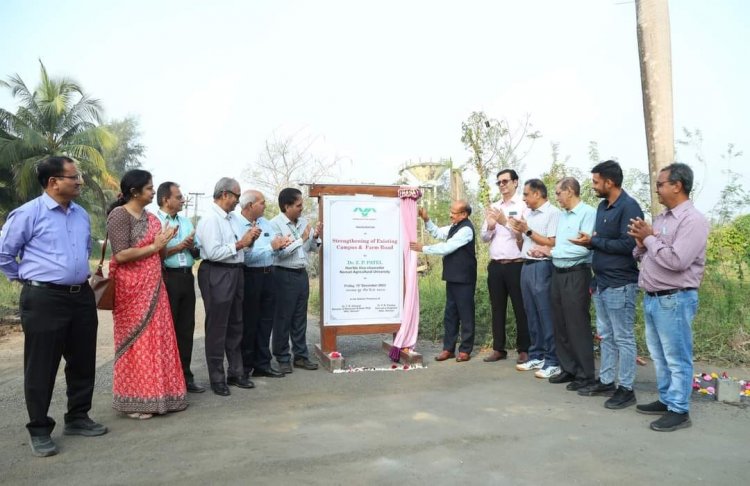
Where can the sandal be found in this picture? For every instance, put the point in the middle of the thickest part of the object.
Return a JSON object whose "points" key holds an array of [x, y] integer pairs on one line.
{"points": [[140, 416]]}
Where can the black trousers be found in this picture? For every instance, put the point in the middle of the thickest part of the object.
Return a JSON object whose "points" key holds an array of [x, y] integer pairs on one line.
{"points": [[290, 316], [503, 281], [574, 341], [257, 316], [181, 292], [57, 324], [459, 313], [222, 290]]}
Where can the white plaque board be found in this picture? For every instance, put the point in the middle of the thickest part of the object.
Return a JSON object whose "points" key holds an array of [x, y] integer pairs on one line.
{"points": [[362, 260]]}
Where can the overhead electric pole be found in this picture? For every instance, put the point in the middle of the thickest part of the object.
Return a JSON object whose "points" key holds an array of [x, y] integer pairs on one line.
{"points": [[195, 205]]}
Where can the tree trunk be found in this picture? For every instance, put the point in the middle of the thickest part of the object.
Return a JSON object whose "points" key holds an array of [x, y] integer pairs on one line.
{"points": [[655, 53]]}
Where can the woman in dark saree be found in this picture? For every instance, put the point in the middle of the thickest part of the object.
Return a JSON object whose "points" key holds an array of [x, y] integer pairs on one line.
{"points": [[147, 377]]}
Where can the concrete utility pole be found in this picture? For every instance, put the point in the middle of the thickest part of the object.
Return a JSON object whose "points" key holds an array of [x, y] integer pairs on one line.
{"points": [[655, 53], [195, 195]]}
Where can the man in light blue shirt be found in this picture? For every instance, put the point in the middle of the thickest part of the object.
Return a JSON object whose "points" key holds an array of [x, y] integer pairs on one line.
{"points": [[292, 287], [259, 304], [178, 274], [571, 279]]}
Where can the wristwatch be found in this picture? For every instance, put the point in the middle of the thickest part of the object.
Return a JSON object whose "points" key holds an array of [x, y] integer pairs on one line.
{"points": [[528, 232]]}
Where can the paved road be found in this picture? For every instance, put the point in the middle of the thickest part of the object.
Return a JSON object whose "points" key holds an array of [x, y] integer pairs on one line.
{"points": [[450, 422]]}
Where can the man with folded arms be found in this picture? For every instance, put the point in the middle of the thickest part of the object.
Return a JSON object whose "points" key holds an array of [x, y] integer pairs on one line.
{"points": [[460, 275], [292, 287], [504, 268], [538, 230], [614, 287], [672, 253], [221, 281], [178, 274], [46, 244], [260, 303]]}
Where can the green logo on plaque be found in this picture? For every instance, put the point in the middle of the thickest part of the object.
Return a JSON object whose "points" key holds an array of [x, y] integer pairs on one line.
{"points": [[364, 211]]}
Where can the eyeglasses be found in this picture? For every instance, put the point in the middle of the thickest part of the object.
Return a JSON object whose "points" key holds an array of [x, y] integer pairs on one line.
{"points": [[502, 182], [233, 194], [77, 177], [659, 184]]}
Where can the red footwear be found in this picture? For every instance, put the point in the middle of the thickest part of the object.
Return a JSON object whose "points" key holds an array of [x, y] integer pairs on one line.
{"points": [[444, 355], [463, 357], [523, 357]]}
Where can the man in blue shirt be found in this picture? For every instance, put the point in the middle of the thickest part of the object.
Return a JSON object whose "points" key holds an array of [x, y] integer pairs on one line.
{"points": [[178, 275], [615, 285], [45, 244], [291, 284], [259, 304], [571, 280]]}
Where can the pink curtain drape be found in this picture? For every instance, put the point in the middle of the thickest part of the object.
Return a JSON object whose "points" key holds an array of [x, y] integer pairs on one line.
{"points": [[407, 333]]}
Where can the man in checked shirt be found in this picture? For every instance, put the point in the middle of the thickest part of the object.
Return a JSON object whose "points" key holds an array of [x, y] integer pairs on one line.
{"points": [[672, 253]]}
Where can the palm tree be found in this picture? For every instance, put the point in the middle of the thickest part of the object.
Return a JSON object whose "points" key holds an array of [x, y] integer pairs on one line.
{"points": [[57, 118]]}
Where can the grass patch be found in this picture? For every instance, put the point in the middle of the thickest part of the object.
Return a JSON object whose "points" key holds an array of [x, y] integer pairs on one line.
{"points": [[9, 295]]}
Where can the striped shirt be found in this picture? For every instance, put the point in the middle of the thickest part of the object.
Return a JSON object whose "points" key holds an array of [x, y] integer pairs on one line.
{"points": [[294, 255], [502, 239], [216, 235], [674, 257]]}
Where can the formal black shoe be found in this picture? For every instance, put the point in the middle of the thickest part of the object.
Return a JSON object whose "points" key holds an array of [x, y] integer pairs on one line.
{"points": [[653, 408], [220, 389], [285, 368], [240, 382], [621, 399], [193, 388], [597, 389], [268, 373], [496, 356], [563, 377], [85, 427], [671, 421], [42, 446], [305, 364], [578, 384]]}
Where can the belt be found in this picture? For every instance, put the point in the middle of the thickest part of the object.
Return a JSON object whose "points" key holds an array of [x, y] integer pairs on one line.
{"points": [[179, 270], [505, 261], [529, 261], [71, 289], [660, 293], [259, 269], [293, 270], [574, 268], [222, 264]]}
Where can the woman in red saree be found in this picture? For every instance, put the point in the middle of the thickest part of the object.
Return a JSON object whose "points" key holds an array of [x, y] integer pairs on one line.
{"points": [[148, 377]]}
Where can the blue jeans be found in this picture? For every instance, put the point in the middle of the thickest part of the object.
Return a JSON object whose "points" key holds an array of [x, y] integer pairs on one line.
{"points": [[669, 335], [536, 281], [615, 320]]}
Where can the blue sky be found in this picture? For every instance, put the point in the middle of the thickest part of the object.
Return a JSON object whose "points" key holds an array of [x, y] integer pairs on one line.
{"points": [[382, 83]]}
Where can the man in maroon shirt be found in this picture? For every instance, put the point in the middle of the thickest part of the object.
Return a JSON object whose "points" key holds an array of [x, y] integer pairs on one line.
{"points": [[672, 253]]}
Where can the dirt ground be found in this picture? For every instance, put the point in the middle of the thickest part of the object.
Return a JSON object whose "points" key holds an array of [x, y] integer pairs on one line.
{"points": [[483, 423]]}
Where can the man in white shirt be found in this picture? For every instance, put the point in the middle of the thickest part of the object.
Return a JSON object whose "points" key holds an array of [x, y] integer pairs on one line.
{"points": [[220, 280]]}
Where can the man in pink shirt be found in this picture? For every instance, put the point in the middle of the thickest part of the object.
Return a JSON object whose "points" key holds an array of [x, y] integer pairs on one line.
{"points": [[504, 269], [672, 253]]}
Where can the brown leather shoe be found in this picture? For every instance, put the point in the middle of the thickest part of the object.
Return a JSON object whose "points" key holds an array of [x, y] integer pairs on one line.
{"points": [[444, 355], [523, 357], [496, 356], [463, 357]]}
